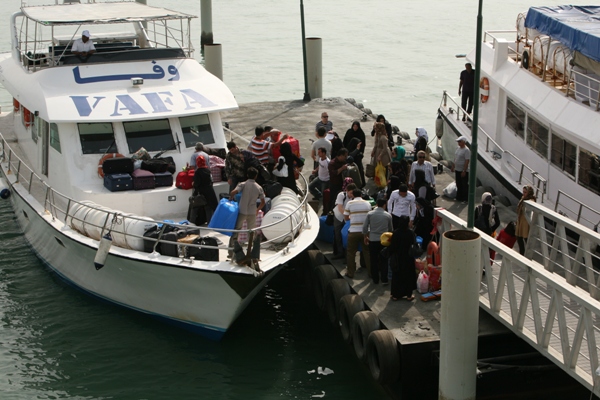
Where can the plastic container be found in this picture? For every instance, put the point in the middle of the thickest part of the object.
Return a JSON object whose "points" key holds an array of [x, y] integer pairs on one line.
{"points": [[225, 216]]}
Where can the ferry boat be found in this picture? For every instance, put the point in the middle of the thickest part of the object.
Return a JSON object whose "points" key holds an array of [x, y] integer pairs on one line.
{"points": [[141, 88], [539, 110]]}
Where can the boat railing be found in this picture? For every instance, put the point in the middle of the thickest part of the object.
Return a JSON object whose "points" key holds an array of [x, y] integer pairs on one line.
{"points": [[60, 207], [233, 134], [525, 174], [585, 88], [550, 313], [582, 212]]}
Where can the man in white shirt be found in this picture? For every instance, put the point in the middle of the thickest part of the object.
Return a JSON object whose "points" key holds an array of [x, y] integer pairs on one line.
{"points": [[429, 176], [340, 203], [83, 47], [320, 142], [321, 182], [402, 202], [200, 151], [356, 212]]}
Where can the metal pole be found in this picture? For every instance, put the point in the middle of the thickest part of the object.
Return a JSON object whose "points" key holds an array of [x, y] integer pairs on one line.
{"points": [[475, 128], [306, 95]]}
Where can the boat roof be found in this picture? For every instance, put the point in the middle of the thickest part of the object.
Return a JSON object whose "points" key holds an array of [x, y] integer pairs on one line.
{"points": [[577, 27], [99, 13]]}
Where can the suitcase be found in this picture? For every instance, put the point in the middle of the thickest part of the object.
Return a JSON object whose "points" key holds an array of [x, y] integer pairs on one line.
{"points": [[294, 143], [153, 233], [143, 179], [216, 172], [155, 165], [326, 201], [118, 182], [120, 165], [204, 254], [163, 179], [171, 167], [185, 179]]}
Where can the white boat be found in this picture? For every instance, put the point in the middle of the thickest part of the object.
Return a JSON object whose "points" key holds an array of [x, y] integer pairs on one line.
{"points": [[142, 88], [539, 119]]}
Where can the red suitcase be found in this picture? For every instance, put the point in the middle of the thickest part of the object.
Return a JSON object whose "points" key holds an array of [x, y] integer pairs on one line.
{"points": [[185, 179], [143, 179]]}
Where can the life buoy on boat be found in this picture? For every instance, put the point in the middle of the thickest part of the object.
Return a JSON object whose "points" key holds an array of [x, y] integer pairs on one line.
{"points": [[525, 59], [433, 254], [104, 158], [26, 117], [484, 85], [16, 105]]}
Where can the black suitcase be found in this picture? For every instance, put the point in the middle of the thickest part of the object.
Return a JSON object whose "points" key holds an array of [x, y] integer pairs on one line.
{"points": [[143, 179], [155, 165], [171, 167], [121, 165], [168, 249], [204, 254], [118, 182], [153, 233], [163, 179]]}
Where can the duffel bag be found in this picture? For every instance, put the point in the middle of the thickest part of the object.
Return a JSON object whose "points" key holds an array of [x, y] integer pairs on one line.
{"points": [[155, 165]]}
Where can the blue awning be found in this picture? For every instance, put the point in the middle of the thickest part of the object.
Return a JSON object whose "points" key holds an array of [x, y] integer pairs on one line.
{"points": [[577, 27]]}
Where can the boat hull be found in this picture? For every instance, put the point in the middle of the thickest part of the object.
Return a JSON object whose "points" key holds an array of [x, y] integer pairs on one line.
{"points": [[202, 300]]}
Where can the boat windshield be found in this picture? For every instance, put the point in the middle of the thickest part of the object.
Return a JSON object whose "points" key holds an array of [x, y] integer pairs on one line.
{"points": [[153, 135], [97, 138], [196, 129]]}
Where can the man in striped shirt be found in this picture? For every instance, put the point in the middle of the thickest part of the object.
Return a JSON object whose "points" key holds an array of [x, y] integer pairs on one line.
{"points": [[260, 147], [356, 212]]}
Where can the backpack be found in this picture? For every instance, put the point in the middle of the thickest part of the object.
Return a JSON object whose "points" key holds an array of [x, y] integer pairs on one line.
{"points": [[352, 172], [480, 221]]}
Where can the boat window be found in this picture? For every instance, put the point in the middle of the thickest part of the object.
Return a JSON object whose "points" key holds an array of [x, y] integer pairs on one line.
{"points": [[589, 170], [54, 139], [196, 129], [563, 154], [537, 136], [97, 138], [153, 135], [515, 118], [34, 126]]}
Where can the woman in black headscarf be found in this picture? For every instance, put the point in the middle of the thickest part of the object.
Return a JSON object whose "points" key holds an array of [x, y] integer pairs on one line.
{"points": [[203, 185], [354, 132], [291, 160], [355, 150], [393, 184], [404, 277], [336, 145]]}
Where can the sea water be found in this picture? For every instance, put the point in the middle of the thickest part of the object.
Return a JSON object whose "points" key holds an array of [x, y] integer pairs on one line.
{"points": [[396, 58]]}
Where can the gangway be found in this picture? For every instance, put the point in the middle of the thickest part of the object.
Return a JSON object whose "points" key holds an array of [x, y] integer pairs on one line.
{"points": [[549, 297]]}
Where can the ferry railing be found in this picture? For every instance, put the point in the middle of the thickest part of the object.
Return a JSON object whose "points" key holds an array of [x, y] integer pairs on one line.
{"points": [[560, 321], [586, 89], [525, 173], [60, 207], [581, 211]]}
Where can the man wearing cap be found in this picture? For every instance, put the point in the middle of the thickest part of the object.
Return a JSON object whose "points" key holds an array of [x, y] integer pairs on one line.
{"points": [[402, 203], [462, 156], [324, 123], [83, 47]]}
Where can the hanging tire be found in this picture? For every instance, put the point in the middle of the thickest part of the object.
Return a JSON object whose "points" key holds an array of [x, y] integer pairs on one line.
{"points": [[336, 289], [323, 274], [363, 324], [383, 356], [350, 304], [316, 258]]}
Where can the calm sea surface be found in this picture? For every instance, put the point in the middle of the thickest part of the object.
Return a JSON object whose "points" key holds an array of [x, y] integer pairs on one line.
{"points": [[396, 58]]}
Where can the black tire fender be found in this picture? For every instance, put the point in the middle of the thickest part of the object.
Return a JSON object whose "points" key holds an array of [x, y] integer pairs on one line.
{"points": [[323, 274], [383, 356], [350, 304], [336, 289], [363, 324]]}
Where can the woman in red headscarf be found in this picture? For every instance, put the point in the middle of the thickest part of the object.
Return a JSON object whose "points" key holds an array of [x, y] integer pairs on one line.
{"points": [[203, 185]]}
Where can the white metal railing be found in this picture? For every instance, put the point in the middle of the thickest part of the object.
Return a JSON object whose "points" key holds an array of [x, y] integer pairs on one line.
{"points": [[60, 206], [525, 173], [559, 320], [585, 214]]}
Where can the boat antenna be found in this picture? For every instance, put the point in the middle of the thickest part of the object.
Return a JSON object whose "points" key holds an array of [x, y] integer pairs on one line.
{"points": [[110, 147]]}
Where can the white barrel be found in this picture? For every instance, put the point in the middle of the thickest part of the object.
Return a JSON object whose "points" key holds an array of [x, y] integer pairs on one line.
{"points": [[280, 213], [289, 191], [283, 198], [134, 231]]}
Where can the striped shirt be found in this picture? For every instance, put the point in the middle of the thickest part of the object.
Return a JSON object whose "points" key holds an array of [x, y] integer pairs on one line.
{"points": [[260, 149], [357, 209]]}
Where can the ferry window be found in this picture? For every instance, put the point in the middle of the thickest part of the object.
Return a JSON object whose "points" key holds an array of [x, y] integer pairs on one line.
{"points": [[563, 154], [537, 136], [54, 139], [97, 138], [153, 135], [589, 170], [34, 127], [515, 118], [196, 129]]}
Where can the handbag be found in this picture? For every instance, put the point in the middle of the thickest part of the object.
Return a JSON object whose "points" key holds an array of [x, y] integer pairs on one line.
{"points": [[198, 200], [415, 250], [283, 172], [370, 171]]}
